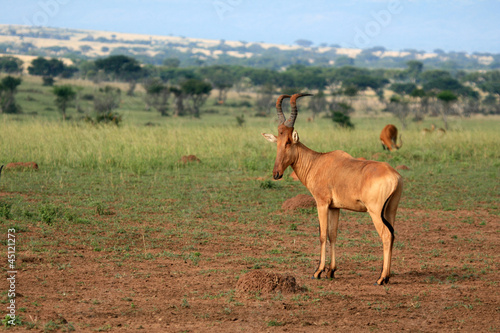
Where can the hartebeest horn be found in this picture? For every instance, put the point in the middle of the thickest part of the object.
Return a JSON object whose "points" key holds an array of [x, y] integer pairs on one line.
{"points": [[293, 103], [281, 116]]}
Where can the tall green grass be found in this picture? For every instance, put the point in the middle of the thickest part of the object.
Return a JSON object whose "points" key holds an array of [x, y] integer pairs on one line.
{"points": [[220, 146]]}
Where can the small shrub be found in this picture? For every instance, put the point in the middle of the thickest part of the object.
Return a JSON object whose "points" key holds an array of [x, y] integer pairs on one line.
{"points": [[12, 108], [109, 118], [240, 120], [88, 97], [101, 209], [105, 118], [268, 184], [342, 120], [5, 210], [274, 322], [185, 304], [48, 213], [7, 321], [48, 81]]}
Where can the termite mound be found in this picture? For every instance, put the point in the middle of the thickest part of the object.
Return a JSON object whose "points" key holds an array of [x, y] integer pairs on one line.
{"points": [[265, 283], [22, 166], [189, 159], [299, 201]]}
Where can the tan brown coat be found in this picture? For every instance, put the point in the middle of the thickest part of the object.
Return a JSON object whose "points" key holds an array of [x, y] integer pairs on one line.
{"points": [[389, 136], [337, 181]]}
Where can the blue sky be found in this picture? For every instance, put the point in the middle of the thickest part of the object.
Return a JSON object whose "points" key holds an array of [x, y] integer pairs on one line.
{"points": [[451, 25]]}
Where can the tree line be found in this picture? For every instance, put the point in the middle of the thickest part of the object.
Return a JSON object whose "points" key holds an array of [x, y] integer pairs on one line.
{"points": [[414, 92]]}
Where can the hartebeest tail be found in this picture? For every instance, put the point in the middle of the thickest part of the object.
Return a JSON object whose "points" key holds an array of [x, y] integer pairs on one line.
{"points": [[389, 136], [338, 181], [1, 167]]}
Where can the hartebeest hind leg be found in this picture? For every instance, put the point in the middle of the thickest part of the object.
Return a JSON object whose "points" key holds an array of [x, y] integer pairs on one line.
{"points": [[387, 236]]}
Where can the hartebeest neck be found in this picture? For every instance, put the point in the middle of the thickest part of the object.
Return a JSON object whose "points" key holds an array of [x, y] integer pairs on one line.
{"points": [[304, 161]]}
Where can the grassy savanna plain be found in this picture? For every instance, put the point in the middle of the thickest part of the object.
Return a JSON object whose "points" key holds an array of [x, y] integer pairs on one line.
{"points": [[114, 233]]}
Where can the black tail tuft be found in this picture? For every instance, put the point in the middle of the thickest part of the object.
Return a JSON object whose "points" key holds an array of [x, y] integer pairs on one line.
{"points": [[387, 224]]}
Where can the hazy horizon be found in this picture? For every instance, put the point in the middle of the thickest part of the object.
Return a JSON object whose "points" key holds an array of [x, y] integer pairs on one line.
{"points": [[459, 25]]}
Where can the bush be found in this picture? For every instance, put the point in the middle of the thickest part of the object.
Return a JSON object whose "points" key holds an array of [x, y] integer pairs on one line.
{"points": [[5, 210], [109, 118], [48, 213], [12, 109], [240, 120], [48, 81], [88, 97], [342, 120]]}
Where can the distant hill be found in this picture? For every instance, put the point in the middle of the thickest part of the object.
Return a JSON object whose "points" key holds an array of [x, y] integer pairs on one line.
{"points": [[152, 49]]}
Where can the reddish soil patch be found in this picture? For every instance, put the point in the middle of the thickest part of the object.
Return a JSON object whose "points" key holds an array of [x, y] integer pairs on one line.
{"points": [[299, 201], [444, 275], [190, 159], [402, 167], [258, 281], [22, 165]]}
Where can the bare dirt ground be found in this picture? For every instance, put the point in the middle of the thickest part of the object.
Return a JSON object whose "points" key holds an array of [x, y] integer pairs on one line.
{"points": [[445, 278]]}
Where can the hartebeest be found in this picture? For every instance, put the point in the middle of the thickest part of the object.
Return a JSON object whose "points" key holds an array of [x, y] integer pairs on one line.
{"points": [[389, 136], [338, 181], [440, 131]]}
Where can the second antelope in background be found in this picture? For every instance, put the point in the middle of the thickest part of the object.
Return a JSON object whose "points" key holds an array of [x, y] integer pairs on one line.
{"points": [[337, 181], [389, 136]]}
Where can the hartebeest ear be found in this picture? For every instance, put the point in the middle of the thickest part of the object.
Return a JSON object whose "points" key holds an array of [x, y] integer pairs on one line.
{"points": [[270, 137], [295, 137]]}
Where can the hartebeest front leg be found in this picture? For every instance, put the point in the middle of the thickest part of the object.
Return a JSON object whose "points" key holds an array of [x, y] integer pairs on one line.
{"points": [[323, 229], [333, 225]]}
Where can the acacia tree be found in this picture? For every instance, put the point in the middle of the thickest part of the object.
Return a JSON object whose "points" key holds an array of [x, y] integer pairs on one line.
{"points": [[47, 69], [11, 65], [414, 70], [106, 101], [264, 99], [447, 98], [64, 96], [318, 103], [399, 107], [122, 68], [222, 79], [422, 103], [196, 92], [304, 42], [157, 94], [178, 101]]}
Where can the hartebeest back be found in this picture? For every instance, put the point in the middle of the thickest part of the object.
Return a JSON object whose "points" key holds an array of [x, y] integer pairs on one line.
{"points": [[389, 136], [337, 180]]}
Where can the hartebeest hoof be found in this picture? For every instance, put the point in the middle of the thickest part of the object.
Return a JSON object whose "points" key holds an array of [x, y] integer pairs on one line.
{"points": [[330, 274], [381, 282], [317, 274]]}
